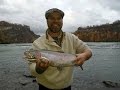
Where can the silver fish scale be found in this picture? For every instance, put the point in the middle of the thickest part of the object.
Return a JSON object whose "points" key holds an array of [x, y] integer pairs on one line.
{"points": [[59, 60]]}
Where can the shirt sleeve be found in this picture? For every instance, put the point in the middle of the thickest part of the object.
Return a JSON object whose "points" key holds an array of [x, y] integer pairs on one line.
{"points": [[80, 46]]}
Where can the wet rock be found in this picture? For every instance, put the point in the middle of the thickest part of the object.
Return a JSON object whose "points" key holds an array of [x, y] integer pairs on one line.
{"points": [[24, 82], [28, 76], [34, 80], [111, 84]]}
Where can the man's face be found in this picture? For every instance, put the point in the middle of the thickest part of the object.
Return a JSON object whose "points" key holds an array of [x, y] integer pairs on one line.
{"points": [[55, 22]]}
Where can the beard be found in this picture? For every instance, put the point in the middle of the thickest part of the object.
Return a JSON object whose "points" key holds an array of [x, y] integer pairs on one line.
{"points": [[55, 29]]}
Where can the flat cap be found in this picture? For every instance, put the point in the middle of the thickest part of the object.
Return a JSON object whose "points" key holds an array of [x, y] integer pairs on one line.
{"points": [[50, 11]]}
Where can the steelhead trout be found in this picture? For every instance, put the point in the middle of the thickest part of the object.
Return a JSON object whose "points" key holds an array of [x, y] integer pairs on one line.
{"points": [[56, 59]]}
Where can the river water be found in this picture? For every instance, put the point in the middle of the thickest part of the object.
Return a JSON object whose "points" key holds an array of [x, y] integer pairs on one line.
{"points": [[103, 66]]}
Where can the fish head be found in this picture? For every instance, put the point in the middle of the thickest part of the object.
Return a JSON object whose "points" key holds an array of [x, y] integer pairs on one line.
{"points": [[32, 54], [29, 54]]}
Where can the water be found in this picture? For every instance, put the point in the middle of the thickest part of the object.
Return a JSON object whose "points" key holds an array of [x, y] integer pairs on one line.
{"points": [[104, 65]]}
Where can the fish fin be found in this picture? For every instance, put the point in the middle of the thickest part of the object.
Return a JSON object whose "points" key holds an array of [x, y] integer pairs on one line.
{"points": [[81, 67]]}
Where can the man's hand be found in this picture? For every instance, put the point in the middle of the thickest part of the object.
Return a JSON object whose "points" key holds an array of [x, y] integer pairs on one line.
{"points": [[80, 59], [42, 63]]}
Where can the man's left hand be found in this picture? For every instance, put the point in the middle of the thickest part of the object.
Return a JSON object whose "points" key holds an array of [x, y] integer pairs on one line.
{"points": [[80, 59]]}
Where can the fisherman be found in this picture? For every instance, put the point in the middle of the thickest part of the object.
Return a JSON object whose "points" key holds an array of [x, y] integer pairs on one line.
{"points": [[48, 77]]}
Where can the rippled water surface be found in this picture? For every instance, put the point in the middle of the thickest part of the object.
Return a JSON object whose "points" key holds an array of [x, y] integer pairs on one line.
{"points": [[104, 65]]}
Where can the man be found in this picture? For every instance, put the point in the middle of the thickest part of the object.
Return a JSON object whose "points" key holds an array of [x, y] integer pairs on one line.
{"points": [[55, 39]]}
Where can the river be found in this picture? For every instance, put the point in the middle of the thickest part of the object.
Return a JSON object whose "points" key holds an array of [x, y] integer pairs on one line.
{"points": [[103, 66]]}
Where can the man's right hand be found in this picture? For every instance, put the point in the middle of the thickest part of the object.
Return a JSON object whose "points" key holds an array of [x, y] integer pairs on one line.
{"points": [[42, 63]]}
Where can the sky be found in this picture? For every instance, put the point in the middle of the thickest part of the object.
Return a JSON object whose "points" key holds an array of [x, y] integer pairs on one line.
{"points": [[78, 13]]}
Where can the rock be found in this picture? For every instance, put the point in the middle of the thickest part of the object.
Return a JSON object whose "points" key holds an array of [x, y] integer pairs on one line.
{"points": [[28, 76], [111, 84], [16, 33], [24, 81], [34, 80], [100, 33]]}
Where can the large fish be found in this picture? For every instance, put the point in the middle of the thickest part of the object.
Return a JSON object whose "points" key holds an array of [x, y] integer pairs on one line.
{"points": [[55, 58]]}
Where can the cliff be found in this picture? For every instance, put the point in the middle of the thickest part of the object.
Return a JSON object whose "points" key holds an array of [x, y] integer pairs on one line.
{"points": [[16, 33], [102, 33]]}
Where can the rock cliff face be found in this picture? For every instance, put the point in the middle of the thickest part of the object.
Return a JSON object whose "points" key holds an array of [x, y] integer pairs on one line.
{"points": [[101, 33], [16, 33]]}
